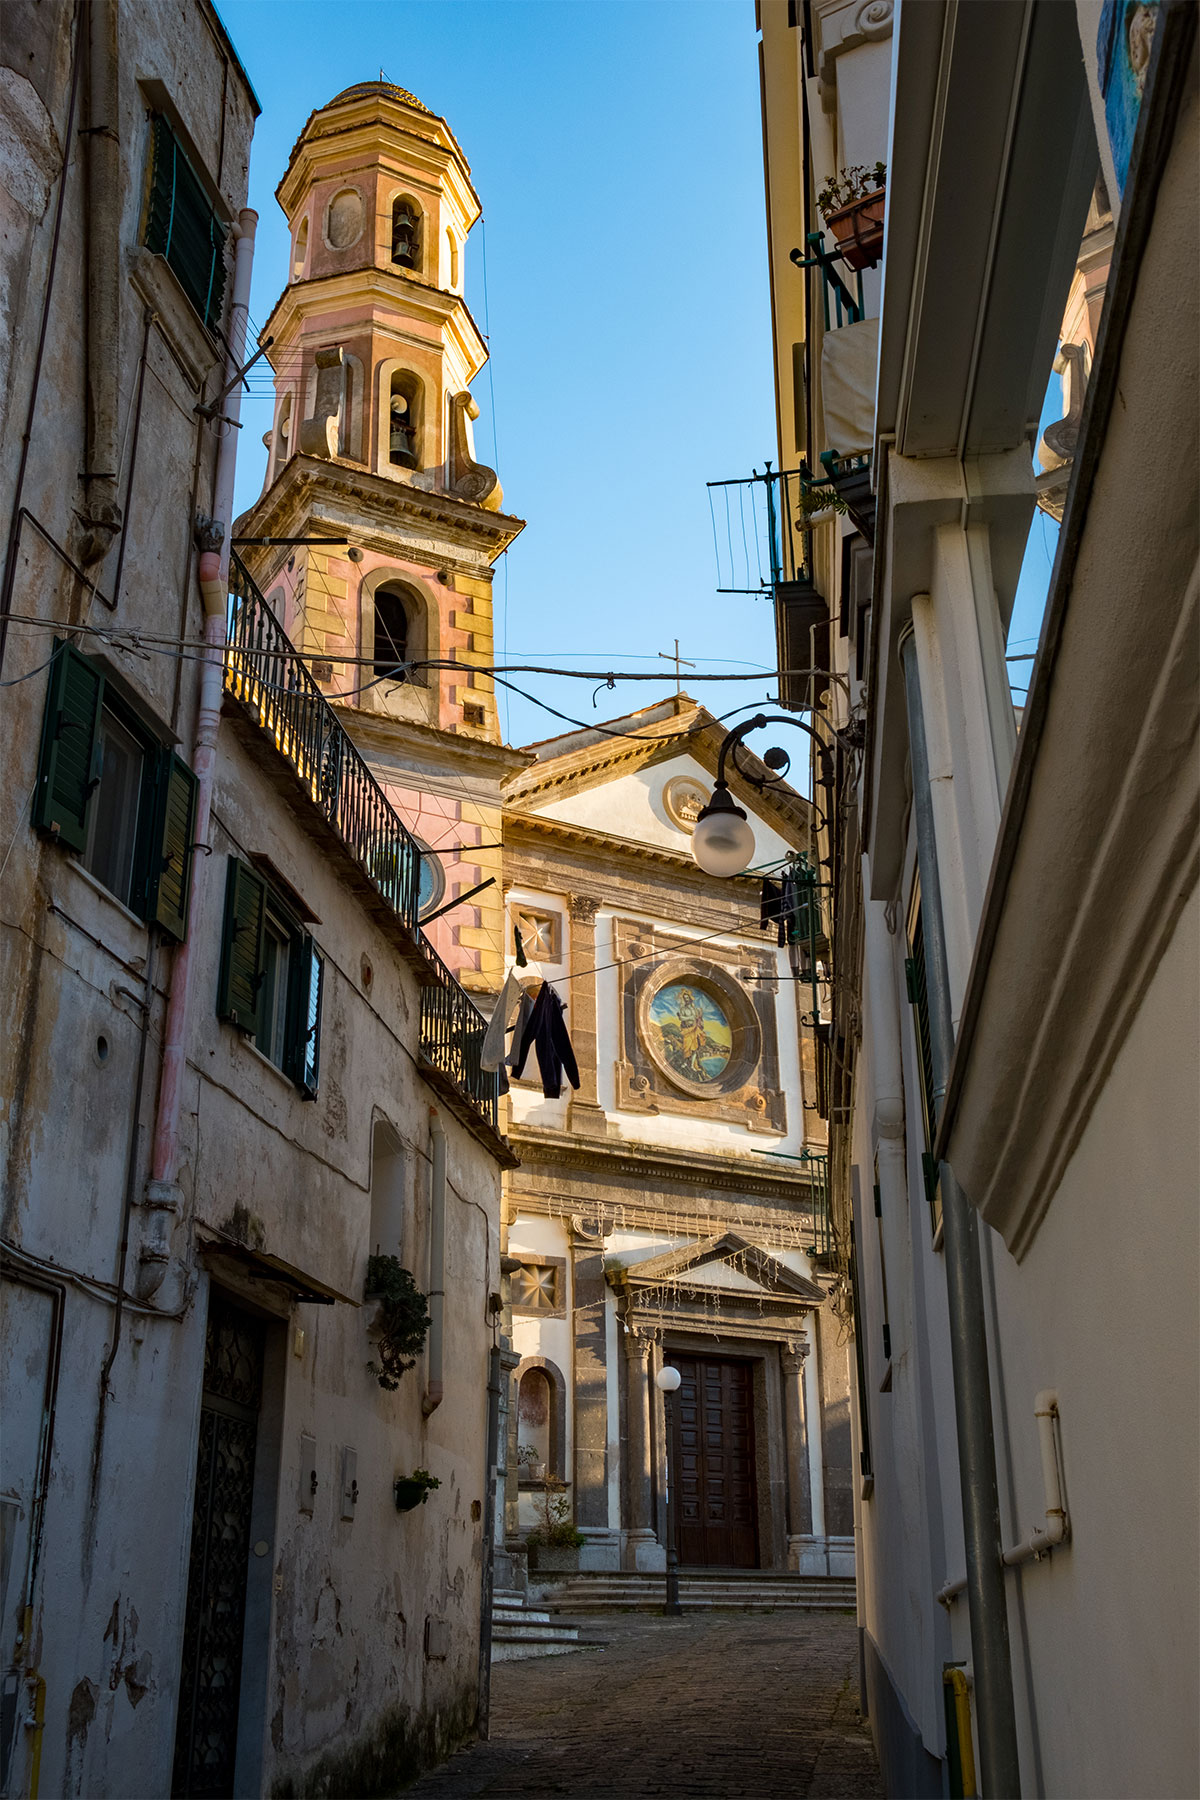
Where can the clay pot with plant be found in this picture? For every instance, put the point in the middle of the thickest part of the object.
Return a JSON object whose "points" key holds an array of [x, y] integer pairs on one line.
{"points": [[413, 1490], [852, 205]]}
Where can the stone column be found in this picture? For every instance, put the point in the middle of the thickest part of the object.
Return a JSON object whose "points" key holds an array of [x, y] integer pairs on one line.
{"points": [[591, 1402], [792, 1357], [584, 1114], [641, 1548]]}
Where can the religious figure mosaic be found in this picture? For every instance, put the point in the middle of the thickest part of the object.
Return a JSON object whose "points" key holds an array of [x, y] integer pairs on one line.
{"points": [[695, 1038]]}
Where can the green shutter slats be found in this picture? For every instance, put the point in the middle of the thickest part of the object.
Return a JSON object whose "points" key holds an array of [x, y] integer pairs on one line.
{"points": [[242, 947], [182, 226], [304, 1046], [67, 773], [169, 877]]}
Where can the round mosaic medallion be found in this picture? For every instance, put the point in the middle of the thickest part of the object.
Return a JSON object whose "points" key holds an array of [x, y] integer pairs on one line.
{"points": [[692, 1033], [684, 799]]}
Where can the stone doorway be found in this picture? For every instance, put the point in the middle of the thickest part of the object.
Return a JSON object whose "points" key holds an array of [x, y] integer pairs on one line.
{"points": [[713, 1455]]}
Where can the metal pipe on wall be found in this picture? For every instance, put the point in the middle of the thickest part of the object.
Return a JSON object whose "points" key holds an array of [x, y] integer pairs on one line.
{"points": [[102, 512], [432, 1397], [987, 1601]]}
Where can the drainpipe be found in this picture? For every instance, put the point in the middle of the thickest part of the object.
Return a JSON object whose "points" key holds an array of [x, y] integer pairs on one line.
{"points": [[162, 1191], [432, 1397], [986, 1597], [483, 1713], [1057, 1529], [101, 515]]}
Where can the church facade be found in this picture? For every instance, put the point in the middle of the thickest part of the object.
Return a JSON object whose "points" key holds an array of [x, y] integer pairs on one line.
{"points": [[671, 1209]]}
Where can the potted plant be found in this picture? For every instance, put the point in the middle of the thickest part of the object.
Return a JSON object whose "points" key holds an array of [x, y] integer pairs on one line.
{"points": [[530, 1466], [400, 1323], [554, 1543], [852, 205], [414, 1490]]}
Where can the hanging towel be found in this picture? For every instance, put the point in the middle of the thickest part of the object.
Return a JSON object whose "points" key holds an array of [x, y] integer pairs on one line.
{"points": [[545, 1031], [507, 1009]]}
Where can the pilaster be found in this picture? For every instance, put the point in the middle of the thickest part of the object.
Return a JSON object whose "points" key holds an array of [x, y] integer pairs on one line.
{"points": [[791, 1357], [584, 1114]]}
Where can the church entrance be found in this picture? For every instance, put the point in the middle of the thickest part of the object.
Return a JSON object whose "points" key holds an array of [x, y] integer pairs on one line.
{"points": [[713, 1456]]}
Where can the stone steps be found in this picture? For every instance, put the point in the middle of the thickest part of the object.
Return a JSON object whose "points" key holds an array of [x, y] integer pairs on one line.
{"points": [[520, 1631], [753, 1592]]}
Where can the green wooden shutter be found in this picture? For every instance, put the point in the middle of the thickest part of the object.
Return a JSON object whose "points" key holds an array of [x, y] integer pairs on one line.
{"points": [[182, 226], [169, 876], [242, 947], [303, 1056], [67, 774]]}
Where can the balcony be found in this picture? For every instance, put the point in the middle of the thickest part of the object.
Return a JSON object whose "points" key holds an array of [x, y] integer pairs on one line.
{"points": [[277, 697]]}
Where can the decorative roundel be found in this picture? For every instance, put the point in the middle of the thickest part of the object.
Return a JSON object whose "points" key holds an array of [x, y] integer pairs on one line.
{"points": [[433, 881], [684, 799], [344, 219], [691, 1031]]}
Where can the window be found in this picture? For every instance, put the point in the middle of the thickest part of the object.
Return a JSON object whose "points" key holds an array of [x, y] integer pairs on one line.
{"points": [[391, 634], [182, 224], [108, 789], [406, 235], [404, 420], [272, 976], [918, 994], [537, 1287], [300, 250], [433, 881]]}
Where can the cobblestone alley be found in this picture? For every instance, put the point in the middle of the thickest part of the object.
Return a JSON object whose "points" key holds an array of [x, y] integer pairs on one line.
{"points": [[744, 1706]]}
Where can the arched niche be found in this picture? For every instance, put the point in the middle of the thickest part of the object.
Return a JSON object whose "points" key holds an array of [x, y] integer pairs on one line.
{"points": [[451, 262], [407, 231], [402, 419], [415, 698], [540, 1392], [388, 1192], [300, 250], [284, 433], [350, 420]]}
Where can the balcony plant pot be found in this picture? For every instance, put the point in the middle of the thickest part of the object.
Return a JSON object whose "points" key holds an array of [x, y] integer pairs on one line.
{"points": [[409, 1494], [858, 229], [554, 1559]]}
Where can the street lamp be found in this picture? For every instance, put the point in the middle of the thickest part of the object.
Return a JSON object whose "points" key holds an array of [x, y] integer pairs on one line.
{"points": [[723, 838], [668, 1380]]}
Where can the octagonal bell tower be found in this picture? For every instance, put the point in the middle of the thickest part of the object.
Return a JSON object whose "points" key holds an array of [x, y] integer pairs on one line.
{"points": [[374, 351]]}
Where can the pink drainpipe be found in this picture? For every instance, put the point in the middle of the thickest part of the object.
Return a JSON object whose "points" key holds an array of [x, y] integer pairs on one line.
{"points": [[214, 586]]}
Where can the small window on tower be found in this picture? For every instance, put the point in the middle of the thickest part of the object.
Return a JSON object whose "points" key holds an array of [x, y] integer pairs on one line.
{"points": [[402, 421], [391, 634], [406, 235], [300, 251]]}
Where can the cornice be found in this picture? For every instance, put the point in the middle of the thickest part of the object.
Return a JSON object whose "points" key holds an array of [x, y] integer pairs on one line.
{"points": [[374, 112], [375, 734], [372, 512], [400, 295], [545, 1151]]}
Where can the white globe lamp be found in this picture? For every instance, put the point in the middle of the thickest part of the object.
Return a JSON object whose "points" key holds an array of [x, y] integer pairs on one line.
{"points": [[723, 838], [668, 1379]]}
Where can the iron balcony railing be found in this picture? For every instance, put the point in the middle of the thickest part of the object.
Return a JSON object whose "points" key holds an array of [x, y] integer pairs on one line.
{"points": [[452, 1029], [264, 673], [817, 1168]]}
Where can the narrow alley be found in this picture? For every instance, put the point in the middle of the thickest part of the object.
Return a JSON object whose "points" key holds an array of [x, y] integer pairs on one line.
{"points": [[741, 1706]]}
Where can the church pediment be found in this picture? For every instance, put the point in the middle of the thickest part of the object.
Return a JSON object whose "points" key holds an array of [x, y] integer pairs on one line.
{"points": [[728, 1264]]}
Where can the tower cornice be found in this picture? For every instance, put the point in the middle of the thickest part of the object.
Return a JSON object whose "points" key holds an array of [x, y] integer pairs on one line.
{"points": [[393, 299], [426, 139]]}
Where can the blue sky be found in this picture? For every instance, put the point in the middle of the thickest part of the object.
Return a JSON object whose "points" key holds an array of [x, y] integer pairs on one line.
{"points": [[617, 150]]}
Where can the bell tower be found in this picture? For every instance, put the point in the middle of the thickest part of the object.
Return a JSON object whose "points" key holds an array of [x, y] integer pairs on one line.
{"points": [[374, 351]]}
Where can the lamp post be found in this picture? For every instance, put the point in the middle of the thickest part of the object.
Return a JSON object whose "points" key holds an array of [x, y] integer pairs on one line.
{"points": [[723, 838], [668, 1380]]}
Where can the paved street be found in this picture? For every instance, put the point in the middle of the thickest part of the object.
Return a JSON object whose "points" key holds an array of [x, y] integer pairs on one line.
{"points": [[745, 1706]]}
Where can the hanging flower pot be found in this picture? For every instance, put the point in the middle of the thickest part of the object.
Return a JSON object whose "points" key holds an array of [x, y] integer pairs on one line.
{"points": [[852, 204], [413, 1490]]}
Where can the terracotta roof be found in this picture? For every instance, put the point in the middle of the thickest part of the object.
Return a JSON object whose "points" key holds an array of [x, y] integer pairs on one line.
{"points": [[362, 89]]}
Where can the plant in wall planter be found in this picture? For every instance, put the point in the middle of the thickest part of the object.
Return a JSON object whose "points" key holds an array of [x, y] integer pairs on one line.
{"points": [[414, 1490], [553, 1544], [401, 1322], [530, 1466], [852, 205]]}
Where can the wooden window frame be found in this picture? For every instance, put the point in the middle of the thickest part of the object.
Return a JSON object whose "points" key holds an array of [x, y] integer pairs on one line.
{"points": [[254, 905]]}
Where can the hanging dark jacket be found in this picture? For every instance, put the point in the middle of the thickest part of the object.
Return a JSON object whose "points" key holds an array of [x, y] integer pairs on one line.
{"points": [[546, 1031]]}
